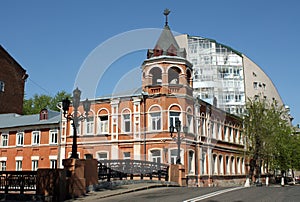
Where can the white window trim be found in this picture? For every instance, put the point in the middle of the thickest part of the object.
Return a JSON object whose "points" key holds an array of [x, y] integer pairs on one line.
{"points": [[3, 158], [130, 121], [50, 136], [150, 154], [53, 157], [32, 137], [17, 135], [19, 158], [2, 134], [35, 158]]}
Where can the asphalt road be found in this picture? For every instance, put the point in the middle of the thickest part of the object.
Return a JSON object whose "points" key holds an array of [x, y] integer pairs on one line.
{"points": [[214, 194]]}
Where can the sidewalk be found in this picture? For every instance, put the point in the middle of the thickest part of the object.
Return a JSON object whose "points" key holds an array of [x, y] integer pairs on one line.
{"points": [[117, 188]]}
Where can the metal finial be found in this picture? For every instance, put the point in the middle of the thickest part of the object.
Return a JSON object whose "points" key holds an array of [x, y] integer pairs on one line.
{"points": [[166, 13]]}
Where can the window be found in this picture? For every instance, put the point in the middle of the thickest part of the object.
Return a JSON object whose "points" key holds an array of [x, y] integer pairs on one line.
{"points": [[191, 163], [35, 138], [174, 116], [89, 125], [126, 155], [18, 165], [173, 157], [102, 156], [2, 84], [155, 156], [3, 165], [155, 119], [103, 124], [20, 139], [34, 165], [255, 85], [53, 164], [126, 123], [203, 163], [4, 139], [53, 136]]}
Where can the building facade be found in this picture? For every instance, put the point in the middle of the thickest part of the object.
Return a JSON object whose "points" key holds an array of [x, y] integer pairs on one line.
{"points": [[29, 142], [225, 76], [137, 126], [12, 82]]}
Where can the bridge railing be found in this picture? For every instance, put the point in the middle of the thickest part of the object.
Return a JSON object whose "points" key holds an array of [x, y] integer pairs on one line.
{"points": [[124, 169], [18, 181]]}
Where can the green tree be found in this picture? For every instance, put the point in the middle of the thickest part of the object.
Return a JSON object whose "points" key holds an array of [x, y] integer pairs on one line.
{"points": [[268, 136], [38, 102]]}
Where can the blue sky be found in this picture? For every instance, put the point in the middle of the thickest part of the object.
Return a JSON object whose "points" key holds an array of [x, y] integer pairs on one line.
{"points": [[52, 39]]}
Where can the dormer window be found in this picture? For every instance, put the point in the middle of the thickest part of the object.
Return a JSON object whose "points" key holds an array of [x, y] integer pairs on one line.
{"points": [[44, 114], [2, 85]]}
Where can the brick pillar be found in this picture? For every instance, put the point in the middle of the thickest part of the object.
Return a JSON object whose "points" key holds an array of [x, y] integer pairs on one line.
{"points": [[75, 181], [51, 183], [177, 174]]}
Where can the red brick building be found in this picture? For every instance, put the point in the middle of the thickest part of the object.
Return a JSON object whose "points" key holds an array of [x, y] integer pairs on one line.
{"points": [[137, 126], [12, 82]]}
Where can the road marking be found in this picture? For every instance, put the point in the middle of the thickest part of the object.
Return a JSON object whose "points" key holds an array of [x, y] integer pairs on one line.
{"points": [[199, 198]]}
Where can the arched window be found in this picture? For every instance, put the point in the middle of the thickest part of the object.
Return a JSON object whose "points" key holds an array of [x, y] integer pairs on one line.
{"points": [[189, 78], [126, 121], [103, 122], [233, 171], [215, 165], [191, 162], [174, 115], [173, 75], [189, 120], [155, 119], [221, 165], [156, 76]]}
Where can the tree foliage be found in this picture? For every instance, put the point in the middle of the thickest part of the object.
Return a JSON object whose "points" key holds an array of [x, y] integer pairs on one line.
{"points": [[38, 102], [269, 135]]}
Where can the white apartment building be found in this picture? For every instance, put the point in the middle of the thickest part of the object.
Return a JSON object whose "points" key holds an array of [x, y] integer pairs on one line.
{"points": [[225, 77]]}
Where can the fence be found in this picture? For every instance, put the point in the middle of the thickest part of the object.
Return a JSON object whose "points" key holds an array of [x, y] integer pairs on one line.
{"points": [[18, 181], [124, 169]]}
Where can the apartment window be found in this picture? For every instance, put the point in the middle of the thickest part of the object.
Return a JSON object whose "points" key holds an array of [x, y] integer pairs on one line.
{"points": [[126, 155], [4, 139], [53, 136], [126, 122], [155, 119], [20, 139], [18, 165], [102, 156], [53, 164], [2, 85], [34, 165], [103, 124], [35, 138], [3, 165], [156, 156], [255, 84]]}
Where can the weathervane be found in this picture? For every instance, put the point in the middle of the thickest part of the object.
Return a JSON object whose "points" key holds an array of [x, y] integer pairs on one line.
{"points": [[166, 13]]}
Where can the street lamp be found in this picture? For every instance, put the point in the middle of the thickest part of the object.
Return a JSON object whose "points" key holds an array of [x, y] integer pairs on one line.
{"points": [[178, 138], [86, 106]]}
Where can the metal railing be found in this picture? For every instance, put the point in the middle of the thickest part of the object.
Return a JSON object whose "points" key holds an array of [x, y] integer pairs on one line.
{"points": [[18, 181], [124, 169]]}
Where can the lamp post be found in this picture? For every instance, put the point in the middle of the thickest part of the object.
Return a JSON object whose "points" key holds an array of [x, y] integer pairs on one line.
{"points": [[178, 138], [74, 118]]}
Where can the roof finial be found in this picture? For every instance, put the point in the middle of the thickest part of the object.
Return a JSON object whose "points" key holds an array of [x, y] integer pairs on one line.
{"points": [[166, 13]]}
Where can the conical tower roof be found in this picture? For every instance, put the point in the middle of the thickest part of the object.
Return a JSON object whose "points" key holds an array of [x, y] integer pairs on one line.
{"points": [[166, 44]]}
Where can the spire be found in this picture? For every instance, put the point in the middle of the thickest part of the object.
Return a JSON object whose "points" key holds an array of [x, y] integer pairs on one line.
{"points": [[166, 13], [166, 44]]}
